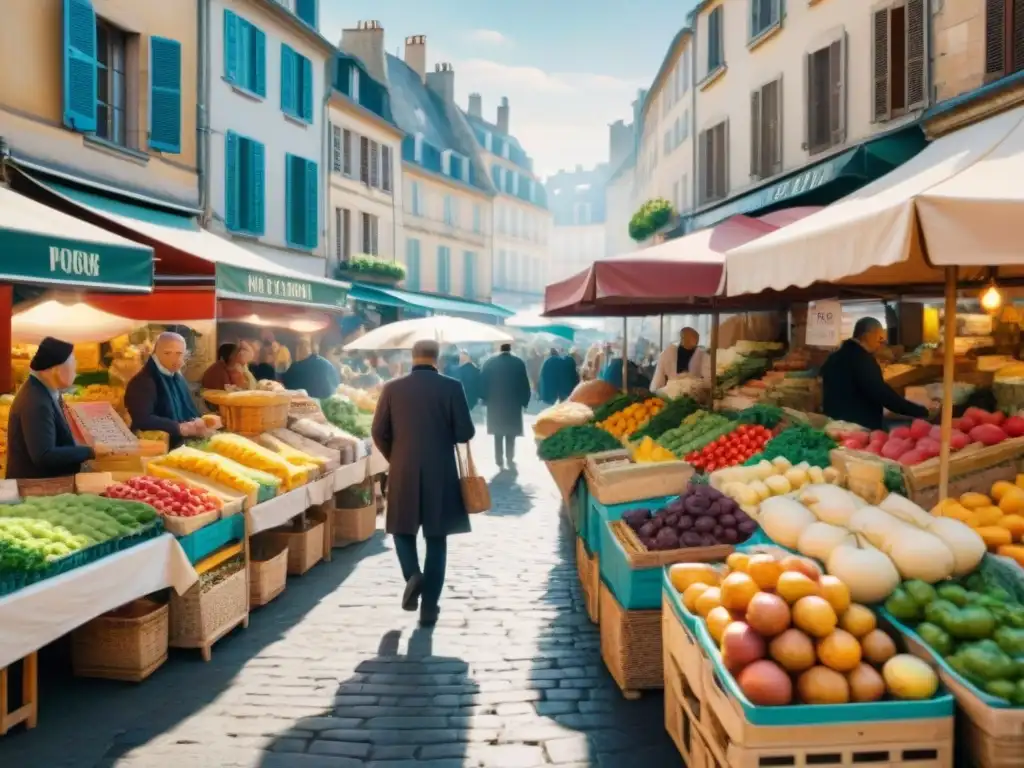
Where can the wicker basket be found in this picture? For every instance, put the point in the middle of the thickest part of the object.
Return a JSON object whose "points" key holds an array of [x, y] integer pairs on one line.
{"points": [[354, 525], [128, 644], [631, 646], [51, 486], [268, 571], [253, 419], [589, 571], [199, 619], [305, 546]]}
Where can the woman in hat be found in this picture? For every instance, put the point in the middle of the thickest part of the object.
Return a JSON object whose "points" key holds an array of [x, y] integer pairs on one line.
{"points": [[40, 443]]}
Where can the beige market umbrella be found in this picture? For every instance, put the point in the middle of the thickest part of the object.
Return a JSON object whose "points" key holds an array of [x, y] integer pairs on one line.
{"points": [[439, 328], [76, 323]]}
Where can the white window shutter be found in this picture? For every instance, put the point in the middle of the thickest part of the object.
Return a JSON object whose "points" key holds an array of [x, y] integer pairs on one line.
{"points": [[880, 53], [917, 52]]}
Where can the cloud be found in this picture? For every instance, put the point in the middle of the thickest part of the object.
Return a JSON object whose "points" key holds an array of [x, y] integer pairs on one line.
{"points": [[560, 118], [488, 37]]}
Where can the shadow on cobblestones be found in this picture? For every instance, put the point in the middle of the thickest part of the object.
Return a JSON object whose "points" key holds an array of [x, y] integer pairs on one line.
{"points": [[396, 708]]}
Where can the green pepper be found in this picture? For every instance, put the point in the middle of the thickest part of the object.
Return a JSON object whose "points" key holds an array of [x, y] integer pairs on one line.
{"points": [[1011, 640], [954, 593], [987, 661], [971, 623], [1018, 694], [935, 637], [903, 606], [921, 592], [940, 612], [1003, 689]]}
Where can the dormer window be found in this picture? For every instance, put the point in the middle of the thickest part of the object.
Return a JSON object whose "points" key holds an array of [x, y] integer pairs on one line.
{"points": [[505, 150], [353, 83], [452, 164], [418, 149], [488, 141]]}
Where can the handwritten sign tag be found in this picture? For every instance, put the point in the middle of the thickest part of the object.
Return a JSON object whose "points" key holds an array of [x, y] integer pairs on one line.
{"points": [[824, 324]]}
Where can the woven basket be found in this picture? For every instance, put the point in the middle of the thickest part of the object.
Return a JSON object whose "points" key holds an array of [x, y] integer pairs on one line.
{"points": [[631, 646], [588, 568], [199, 619], [51, 486], [268, 576], [254, 419], [305, 547], [127, 644], [353, 525]]}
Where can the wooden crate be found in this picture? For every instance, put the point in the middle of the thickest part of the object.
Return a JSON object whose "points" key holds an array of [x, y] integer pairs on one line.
{"points": [[886, 744], [128, 644], [682, 719], [28, 711], [681, 648], [614, 482], [199, 619], [588, 569], [631, 646]]}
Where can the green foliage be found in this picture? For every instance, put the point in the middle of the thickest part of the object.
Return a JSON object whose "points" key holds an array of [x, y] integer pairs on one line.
{"points": [[652, 216], [371, 266]]}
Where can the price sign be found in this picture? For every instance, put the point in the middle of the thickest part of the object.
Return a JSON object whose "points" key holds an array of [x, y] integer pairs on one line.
{"points": [[824, 324]]}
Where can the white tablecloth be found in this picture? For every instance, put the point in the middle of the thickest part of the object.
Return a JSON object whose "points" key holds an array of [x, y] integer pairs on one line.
{"points": [[349, 475], [39, 614], [279, 510]]}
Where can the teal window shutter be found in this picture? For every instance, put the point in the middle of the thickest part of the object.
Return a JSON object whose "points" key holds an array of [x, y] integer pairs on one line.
{"points": [[477, 223], [288, 62], [289, 191], [232, 47], [469, 273], [165, 95], [306, 10], [412, 264], [307, 88], [231, 180], [312, 188], [257, 200], [80, 79], [259, 54]]}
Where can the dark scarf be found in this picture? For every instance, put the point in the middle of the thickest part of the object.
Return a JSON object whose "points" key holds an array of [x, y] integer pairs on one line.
{"points": [[683, 358], [172, 391]]}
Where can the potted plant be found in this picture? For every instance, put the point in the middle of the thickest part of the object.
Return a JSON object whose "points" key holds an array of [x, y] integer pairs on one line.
{"points": [[651, 217]]}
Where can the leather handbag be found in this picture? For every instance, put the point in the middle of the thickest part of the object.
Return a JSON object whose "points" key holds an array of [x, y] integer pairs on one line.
{"points": [[475, 493]]}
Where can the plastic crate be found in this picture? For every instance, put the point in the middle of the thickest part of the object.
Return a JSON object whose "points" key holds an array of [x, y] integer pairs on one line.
{"points": [[204, 542], [599, 515]]}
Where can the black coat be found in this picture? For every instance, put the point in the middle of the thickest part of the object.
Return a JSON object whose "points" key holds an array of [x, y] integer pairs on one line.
{"points": [[150, 409], [469, 375], [40, 443], [419, 420], [855, 390], [505, 389]]}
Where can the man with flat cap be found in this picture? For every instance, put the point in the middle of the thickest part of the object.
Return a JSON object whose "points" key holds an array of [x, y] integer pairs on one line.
{"points": [[40, 443], [419, 421]]}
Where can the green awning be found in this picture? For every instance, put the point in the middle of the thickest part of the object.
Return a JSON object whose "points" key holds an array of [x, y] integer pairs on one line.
{"points": [[44, 246], [240, 273], [425, 303], [822, 183]]}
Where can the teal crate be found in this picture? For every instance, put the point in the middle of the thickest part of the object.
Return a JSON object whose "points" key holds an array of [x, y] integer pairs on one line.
{"points": [[941, 705], [599, 515], [200, 544]]}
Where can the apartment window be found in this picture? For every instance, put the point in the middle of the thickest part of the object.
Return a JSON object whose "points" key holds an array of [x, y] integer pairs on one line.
{"points": [[764, 15], [581, 214], [444, 269], [302, 184], [499, 211], [385, 168], [364, 160], [668, 141], [374, 164], [684, 194], [416, 201], [477, 219], [675, 197], [343, 234], [514, 222], [296, 84], [346, 152], [336, 151], [714, 163], [370, 225], [716, 39], [111, 84], [412, 264], [501, 279], [766, 130], [245, 54], [1004, 41], [449, 210], [899, 42], [244, 184], [826, 91], [513, 270], [469, 274], [685, 125]]}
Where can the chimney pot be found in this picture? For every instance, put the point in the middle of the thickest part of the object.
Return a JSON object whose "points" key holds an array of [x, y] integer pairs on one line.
{"points": [[475, 105], [442, 81], [502, 121], [416, 54], [366, 42]]}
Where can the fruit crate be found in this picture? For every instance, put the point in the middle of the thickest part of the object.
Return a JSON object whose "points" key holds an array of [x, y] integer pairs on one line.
{"points": [[680, 645], [682, 717], [599, 515], [202, 543], [631, 646], [634, 574], [588, 569]]}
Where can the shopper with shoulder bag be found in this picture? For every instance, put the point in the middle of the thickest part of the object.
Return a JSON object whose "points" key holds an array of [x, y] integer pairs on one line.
{"points": [[419, 423]]}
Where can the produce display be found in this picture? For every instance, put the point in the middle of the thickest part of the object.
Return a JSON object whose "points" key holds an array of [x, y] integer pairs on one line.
{"points": [[684, 386], [364, 400], [623, 424], [319, 452], [43, 529], [742, 369], [701, 517], [762, 414], [750, 485], [255, 456], [212, 466], [998, 517], [669, 417], [800, 443], [790, 635], [977, 627], [730, 449], [247, 397], [593, 393], [564, 414], [165, 496], [871, 548], [697, 430], [344, 413], [647, 451], [326, 434], [616, 404], [293, 455], [572, 442]]}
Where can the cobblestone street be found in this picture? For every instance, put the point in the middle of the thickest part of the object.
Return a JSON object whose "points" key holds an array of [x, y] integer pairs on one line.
{"points": [[335, 674]]}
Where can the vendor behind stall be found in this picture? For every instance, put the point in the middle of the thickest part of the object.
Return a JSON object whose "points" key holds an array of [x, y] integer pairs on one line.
{"points": [[230, 371], [265, 369], [682, 359], [312, 373], [40, 443], [158, 398], [852, 382]]}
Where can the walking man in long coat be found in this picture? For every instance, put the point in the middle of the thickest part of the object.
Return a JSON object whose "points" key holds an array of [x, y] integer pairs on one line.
{"points": [[505, 389], [419, 421]]}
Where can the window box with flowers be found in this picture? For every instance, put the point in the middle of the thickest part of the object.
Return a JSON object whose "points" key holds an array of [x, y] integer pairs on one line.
{"points": [[650, 218], [369, 269]]}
